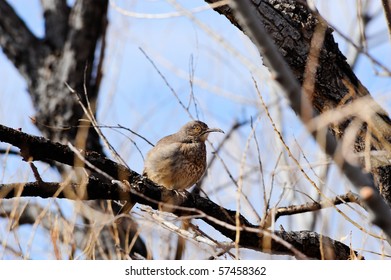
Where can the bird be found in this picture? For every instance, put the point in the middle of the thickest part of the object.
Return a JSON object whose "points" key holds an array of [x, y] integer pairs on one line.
{"points": [[177, 161]]}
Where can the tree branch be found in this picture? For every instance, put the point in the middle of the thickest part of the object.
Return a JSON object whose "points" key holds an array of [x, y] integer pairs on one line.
{"points": [[17, 41], [314, 206], [87, 24], [194, 206], [146, 192], [40, 148], [56, 14]]}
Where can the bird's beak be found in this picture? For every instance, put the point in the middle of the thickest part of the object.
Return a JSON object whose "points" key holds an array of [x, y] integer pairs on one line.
{"points": [[209, 130], [204, 135]]}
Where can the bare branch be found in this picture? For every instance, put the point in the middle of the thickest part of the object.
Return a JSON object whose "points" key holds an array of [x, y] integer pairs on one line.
{"points": [[194, 206], [314, 206], [146, 192], [40, 148]]}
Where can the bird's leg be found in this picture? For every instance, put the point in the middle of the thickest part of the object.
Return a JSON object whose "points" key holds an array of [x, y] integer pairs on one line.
{"points": [[181, 193], [171, 199], [127, 205]]}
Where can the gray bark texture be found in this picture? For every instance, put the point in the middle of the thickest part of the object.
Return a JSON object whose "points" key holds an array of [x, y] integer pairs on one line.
{"points": [[291, 24]]}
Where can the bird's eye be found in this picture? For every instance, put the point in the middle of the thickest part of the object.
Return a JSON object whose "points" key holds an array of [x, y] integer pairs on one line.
{"points": [[197, 128]]}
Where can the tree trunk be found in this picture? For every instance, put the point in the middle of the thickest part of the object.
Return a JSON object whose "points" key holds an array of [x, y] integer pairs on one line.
{"points": [[71, 52]]}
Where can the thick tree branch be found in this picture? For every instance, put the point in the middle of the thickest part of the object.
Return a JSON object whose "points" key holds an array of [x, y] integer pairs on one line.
{"points": [[56, 14], [40, 148], [58, 111], [194, 206], [17, 42], [146, 192], [87, 24], [67, 54]]}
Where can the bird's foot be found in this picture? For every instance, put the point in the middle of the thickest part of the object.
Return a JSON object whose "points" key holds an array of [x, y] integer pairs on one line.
{"points": [[124, 185], [181, 193]]}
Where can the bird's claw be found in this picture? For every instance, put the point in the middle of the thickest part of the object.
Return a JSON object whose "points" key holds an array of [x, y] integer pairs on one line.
{"points": [[181, 193]]}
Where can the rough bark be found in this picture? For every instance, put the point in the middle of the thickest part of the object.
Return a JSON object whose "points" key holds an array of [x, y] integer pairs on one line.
{"points": [[65, 55], [291, 25]]}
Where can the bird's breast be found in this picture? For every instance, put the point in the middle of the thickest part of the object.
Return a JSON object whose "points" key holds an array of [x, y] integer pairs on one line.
{"points": [[176, 166]]}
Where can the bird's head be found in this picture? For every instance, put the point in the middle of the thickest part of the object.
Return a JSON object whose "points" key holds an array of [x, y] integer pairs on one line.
{"points": [[195, 131]]}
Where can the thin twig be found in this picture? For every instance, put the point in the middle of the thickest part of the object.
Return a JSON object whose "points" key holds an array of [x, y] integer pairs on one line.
{"points": [[135, 133], [227, 136], [314, 206], [90, 115], [9, 152], [239, 192], [265, 199], [362, 50], [166, 82], [37, 176], [191, 82]]}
